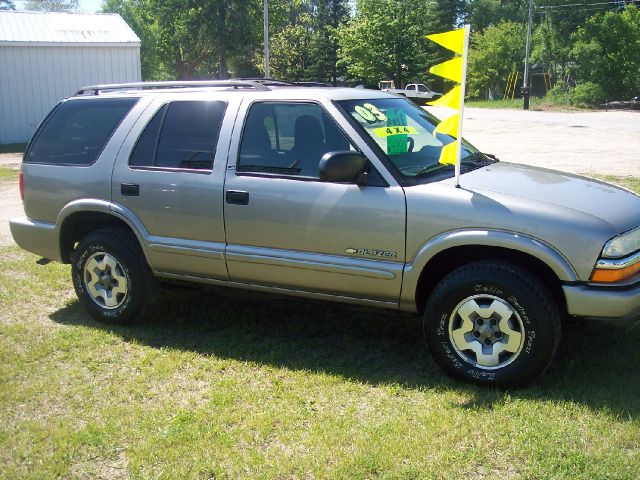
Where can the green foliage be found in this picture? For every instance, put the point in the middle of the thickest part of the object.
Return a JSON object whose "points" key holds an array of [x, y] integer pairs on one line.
{"points": [[385, 40], [606, 51], [290, 49], [52, 5], [139, 17], [583, 95], [187, 39], [7, 5], [482, 14], [493, 55], [304, 44]]}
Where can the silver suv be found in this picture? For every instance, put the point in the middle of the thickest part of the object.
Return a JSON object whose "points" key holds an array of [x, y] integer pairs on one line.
{"points": [[325, 193]]}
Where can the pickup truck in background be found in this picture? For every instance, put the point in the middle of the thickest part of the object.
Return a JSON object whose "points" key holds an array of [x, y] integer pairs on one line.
{"points": [[419, 93]]}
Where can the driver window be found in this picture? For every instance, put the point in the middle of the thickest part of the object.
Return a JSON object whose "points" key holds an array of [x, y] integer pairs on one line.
{"points": [[422, 88], [288, 139]]}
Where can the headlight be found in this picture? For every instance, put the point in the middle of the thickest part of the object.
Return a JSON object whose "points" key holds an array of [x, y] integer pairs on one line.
{"points": [[622, 245], [620, 259]]}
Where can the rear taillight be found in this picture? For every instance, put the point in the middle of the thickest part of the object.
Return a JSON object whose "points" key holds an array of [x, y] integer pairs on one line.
{"points": [[21, 186]]}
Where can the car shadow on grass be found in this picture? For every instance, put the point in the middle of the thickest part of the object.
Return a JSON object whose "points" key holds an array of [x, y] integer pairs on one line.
{"points": [[597, 366]]}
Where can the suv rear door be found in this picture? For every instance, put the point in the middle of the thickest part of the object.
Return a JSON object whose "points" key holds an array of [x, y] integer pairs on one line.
{"points": [[169, 176], [286, 228]]}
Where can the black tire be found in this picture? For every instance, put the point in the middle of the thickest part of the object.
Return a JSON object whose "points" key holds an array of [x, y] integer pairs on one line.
{"points": [[534, 324], [140, 285]]}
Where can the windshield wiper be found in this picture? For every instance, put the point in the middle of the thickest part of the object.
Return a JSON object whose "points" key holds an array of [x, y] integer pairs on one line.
{"points": [[429, 169], [480, 159]]}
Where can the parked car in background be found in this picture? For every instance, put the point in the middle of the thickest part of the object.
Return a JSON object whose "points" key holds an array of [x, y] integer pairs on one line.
{"points": [[331, 194], [419, 93]]}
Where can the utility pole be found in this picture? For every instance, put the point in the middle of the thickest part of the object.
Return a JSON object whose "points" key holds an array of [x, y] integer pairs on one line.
{"points": [[525, 83], [266, 39]]}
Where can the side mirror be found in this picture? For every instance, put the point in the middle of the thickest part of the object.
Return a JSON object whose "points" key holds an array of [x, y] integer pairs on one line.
{"points": [[342, 167]]}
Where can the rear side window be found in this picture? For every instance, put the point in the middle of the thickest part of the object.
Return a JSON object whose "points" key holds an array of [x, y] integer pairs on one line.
{"points": [[78, 130], [181, 135]]}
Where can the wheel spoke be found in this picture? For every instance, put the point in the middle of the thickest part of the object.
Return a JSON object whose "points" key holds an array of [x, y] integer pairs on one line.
{"points": [[503, 311], [514, 338], [110, 262], [110, 298], [467, 310]]}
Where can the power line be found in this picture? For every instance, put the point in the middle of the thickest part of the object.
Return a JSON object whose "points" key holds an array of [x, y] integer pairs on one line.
{"points": [[584, 4], [587, 5]]}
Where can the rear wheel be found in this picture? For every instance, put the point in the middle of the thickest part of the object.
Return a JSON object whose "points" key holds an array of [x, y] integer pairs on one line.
{"points": [[111, 277], [492, 323]]}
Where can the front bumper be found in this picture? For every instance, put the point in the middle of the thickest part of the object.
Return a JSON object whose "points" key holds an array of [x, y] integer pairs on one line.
{"points": [[36, 237], [617, 306]]}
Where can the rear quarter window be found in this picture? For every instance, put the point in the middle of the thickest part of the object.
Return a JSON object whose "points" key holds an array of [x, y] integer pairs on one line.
{"points": [[77, 131]]}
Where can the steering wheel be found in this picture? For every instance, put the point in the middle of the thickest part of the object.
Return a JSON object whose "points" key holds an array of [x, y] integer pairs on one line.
{"points": [[411, 143]]}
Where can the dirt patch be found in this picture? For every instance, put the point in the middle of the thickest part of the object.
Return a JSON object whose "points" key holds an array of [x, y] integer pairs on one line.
{"points": [[10, 206], [10, 159], [602, 143]]}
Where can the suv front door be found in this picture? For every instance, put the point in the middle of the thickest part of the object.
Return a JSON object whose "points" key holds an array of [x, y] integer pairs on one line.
{"points": [[286, 228]]}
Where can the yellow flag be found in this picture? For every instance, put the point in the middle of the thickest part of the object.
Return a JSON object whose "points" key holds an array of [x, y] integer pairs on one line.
{"points": [[448, 126], [451, 99], [451, 69], [453, 40], [448, 155]]}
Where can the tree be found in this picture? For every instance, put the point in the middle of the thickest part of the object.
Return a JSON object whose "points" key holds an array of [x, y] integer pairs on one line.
{"points": [[606, 51], [52, 5], [385, 39], [482, 14], [7, 5], [187, 39], [304, 43], [492, 57], [290, 50], [139, 17], [329, 16]]}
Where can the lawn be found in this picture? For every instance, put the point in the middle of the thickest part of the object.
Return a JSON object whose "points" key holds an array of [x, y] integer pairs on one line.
{"points": [[7, 173], [12, 147], [535, 104], [237, 387]]}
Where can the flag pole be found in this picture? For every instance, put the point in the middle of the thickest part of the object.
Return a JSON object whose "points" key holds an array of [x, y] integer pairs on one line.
{"points": [[463, 86]]}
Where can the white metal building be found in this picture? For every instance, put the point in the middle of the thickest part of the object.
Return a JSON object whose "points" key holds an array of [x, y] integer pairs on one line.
{"points": [[45, 57]]}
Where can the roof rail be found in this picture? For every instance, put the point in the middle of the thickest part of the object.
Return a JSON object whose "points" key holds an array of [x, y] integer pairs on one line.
{"points": [[233, 84]]}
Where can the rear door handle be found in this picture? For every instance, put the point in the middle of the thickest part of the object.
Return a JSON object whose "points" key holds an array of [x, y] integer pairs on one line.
{"points": [[237, 197], [130, 189]]}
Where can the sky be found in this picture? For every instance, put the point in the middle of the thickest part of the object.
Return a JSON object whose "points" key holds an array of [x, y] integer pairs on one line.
{"points": [[87, 6]]}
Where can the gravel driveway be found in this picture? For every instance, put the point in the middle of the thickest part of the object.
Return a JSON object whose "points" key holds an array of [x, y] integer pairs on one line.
{"points": [[605, 143]]}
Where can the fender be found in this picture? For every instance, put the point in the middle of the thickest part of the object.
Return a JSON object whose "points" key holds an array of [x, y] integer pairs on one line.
{"points": [[108, 208], [490, 238]]}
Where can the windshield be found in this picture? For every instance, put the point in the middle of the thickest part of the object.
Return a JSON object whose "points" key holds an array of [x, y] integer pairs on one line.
{"points": [[404, 132]]}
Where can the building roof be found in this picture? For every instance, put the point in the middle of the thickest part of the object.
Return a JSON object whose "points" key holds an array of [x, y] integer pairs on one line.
{"points": [[37, 28]]}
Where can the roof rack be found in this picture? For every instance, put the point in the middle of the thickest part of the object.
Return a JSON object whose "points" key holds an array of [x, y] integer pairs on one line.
{"points": [[232, 84], [270, 82]]}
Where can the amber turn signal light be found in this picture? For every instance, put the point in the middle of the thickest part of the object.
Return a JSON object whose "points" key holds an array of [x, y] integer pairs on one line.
{"points": [[602, 275]]}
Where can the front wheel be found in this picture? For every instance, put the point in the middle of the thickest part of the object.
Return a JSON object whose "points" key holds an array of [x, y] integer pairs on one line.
{"points": [[492, 323]]}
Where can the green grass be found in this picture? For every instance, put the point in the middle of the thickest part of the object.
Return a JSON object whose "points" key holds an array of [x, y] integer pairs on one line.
{"points": [[12, 147], [7, 173], [535, 104], [230, 387], [631, 183]]}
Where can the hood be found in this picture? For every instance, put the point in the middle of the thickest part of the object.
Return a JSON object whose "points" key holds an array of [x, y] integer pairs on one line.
{"points": [[573, 215], [616, 206]]}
